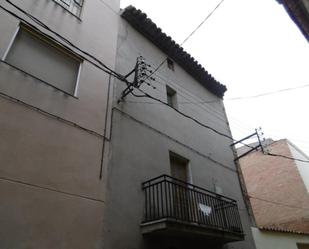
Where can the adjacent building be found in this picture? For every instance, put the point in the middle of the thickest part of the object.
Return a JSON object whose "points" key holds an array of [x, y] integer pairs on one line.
{"points": [[53, 121], [81, 169], [278, 190], [298, 10], [172, 182]]}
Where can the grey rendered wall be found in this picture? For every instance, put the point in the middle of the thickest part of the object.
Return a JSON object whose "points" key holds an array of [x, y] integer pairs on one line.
{"points": [[51, 144], [144, 133]]}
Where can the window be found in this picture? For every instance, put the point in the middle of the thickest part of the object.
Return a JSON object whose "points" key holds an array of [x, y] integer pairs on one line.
{"points": [[45, 60], [170, 64], [74, 6], [179, 167], [171, 97]]}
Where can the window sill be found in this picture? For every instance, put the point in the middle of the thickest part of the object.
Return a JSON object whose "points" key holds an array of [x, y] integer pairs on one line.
{"points": [[43, 81]]}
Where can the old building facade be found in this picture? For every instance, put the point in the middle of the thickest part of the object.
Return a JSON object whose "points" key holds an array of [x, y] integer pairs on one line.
{"points": [[80, 169], [154, 143], [53, 105], [278, 192]]}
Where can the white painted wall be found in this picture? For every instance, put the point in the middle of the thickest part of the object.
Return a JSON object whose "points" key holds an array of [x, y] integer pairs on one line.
{"points": [[301, 166], [276, 240]]}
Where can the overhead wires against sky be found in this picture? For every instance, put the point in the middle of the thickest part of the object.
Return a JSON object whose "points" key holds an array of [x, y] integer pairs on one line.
{"points": [[169, 81], [106, 69], [269, 93], [190, 98], [201, 24], [146, 95], [192, 33], [212, 112]]}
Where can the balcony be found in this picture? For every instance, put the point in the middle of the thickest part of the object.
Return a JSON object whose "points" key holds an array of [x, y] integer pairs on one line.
{"points": [[174, 207]]}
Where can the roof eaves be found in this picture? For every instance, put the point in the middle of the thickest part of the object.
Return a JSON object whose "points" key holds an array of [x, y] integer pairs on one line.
{"points": [[149, 29], [280, 229], [298, 13]]}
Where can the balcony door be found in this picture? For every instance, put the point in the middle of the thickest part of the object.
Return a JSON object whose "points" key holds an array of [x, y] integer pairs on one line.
{"points": [[179, 168], [179, 171]]}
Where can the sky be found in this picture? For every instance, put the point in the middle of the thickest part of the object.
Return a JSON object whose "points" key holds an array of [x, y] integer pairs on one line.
{"points": [[253, 47]]}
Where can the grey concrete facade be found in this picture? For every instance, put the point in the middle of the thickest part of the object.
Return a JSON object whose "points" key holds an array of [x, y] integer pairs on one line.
{"points": [[51, 143], [144, 132], [55, 146]]}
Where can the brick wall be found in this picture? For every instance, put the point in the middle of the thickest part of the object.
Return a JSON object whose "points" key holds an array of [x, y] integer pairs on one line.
{"points": [[278, 181]]}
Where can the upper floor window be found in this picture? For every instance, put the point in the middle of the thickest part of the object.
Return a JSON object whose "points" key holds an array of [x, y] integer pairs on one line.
{"points": [[171, 97], [74, 6], [45, 60], [170, 64]]}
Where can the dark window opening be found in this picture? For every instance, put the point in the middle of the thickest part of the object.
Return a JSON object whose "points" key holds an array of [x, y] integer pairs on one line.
{"points": [[171, 97], [170, 64]]}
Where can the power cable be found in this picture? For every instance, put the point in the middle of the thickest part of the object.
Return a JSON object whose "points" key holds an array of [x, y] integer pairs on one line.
{"points": [[277, 203], [146, 95], [287, 157], [103, 67], [186, 91], [201, 24], [191, 34], [233, 98], [120, 77], [46, 113], [268, 93], [219, 116], [212, 111], [196, 103], [195, 120], [185, 115]]}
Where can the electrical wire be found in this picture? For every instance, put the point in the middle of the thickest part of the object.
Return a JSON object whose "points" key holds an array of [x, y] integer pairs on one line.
{"points": [[268, 93], [206, 126], [277, 203], [287, 157], [210, 110], [198, 103], [191, 34], [201, 24], [213, 111], [46, 113], [106, 69], [270, 154], [146, 95], [232, 98], [279, 155], [102, 66]]}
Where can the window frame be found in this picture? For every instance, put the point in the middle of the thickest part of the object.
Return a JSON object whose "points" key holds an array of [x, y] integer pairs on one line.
{"points": [[172, 94], [170, 64], [174, 155], [77, 15], [53, 43]]}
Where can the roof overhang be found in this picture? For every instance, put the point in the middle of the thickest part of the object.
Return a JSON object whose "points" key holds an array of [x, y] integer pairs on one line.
{"points": [[139, 21], [299, 13]]}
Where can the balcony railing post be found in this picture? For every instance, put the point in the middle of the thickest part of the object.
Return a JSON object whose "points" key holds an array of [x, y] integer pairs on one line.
{"points": [[167, 197]]}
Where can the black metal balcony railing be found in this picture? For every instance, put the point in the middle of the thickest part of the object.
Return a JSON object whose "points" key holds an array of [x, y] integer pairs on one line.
{"points": [[172, 199]]}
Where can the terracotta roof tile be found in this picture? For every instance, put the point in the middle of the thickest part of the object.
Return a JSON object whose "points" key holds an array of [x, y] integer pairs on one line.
{"points": [[281, 229], [166, 44]]}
